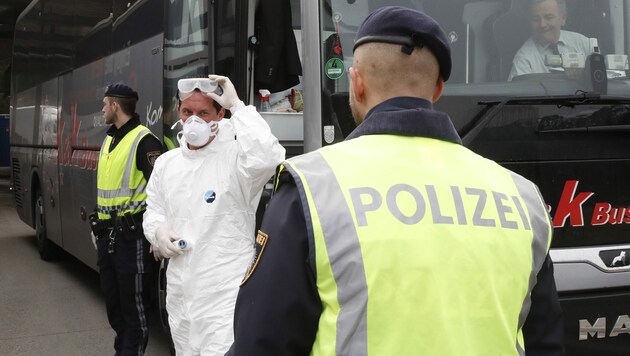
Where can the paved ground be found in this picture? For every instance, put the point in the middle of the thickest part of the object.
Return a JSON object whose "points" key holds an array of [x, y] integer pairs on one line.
{"points": [[51, 308]]}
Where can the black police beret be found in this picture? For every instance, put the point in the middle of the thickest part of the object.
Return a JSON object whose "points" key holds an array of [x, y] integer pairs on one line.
{"points": [[409, 28], [120, 91]]}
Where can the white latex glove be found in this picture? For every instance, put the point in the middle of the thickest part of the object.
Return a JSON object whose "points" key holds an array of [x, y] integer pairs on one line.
{"points": [[165, 245], [94, 240], [229, 98], [156, 253]]}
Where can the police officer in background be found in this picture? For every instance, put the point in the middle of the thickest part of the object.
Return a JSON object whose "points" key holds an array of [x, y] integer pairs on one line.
{"points": [[400, 241], [127, 268]]}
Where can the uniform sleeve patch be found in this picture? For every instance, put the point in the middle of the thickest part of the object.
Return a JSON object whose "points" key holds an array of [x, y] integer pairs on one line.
{"points": [[259, 246], [152, 156]]}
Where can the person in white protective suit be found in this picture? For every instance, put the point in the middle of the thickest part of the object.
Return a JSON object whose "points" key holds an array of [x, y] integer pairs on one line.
{"points": [[206, 193]]}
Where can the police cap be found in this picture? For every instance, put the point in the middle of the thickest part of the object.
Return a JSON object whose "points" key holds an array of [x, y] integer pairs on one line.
{"points": [[120, 91], [409, 28]]}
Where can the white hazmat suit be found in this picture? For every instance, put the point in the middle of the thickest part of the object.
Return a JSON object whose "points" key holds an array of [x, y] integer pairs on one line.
{"points": [[209, 198]]}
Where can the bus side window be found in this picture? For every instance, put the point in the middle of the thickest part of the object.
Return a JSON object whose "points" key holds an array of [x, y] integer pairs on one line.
{"points": [[510, 30], [593, 20], [476, 14]]}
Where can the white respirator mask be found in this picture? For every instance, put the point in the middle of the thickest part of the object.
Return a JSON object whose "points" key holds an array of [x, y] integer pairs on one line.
{"points": [[198, 132]]}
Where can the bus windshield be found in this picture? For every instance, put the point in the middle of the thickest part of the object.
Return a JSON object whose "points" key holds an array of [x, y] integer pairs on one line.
{"points": [[500, 48]]}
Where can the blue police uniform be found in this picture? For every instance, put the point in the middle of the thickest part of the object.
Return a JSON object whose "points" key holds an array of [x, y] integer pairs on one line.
{"points": [[127, 269], [128, 274], [286, 272]]}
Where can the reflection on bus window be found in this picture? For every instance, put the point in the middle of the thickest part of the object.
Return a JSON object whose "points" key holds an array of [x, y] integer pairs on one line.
{"points": [[485, 36]]}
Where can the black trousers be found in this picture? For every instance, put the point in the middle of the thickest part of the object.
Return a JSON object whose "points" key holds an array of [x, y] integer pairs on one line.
{"points": [[128, 293]]}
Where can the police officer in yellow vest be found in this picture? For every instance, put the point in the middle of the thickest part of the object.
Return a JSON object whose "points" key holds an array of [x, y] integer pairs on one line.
{"points": [[126, 266], [399, 240]]}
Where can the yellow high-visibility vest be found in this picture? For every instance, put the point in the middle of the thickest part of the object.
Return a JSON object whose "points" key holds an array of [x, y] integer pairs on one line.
{"points": [[168, 142], [422, 247], [120, 185]]}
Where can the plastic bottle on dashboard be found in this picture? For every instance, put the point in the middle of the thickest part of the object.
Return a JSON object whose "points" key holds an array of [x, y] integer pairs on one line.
{"points": [[264, 100]]}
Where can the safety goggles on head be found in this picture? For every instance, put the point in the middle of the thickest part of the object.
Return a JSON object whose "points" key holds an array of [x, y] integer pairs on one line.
{"points": [[205, 85]]}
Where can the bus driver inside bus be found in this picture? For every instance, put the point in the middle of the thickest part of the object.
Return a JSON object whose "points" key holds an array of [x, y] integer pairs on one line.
{"points": [[547, 17]]}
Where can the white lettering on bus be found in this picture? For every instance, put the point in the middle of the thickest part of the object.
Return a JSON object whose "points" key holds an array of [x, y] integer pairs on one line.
{"points": [[598, 328], [153, 116]]}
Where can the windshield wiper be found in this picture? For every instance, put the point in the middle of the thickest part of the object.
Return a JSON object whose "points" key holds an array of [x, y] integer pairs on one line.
{"points": [[579, 98], [586, 129]]}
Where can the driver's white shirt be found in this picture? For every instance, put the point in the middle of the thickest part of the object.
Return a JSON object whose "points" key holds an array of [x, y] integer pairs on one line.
{"points": [[530, 58]]}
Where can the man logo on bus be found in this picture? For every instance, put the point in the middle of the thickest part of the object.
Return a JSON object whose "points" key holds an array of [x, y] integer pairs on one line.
{"points": [[619, 260]]}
